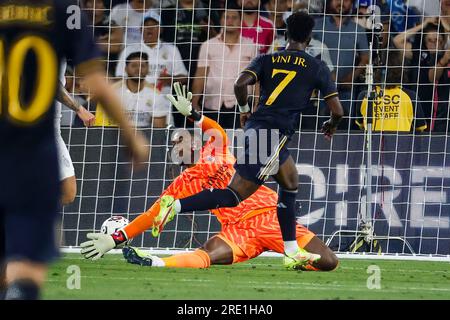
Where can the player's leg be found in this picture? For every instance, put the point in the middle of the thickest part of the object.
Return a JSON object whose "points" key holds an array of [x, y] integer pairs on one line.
{"points": [[68, 190], [214, 251], [238, 190], [219, 251], [328, 260], [287, 178], [30, 246], [30, 214], [66, 172]]}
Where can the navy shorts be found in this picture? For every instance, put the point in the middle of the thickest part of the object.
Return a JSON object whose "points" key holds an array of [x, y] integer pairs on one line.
{"points": [[265, 150], [29, 202]]}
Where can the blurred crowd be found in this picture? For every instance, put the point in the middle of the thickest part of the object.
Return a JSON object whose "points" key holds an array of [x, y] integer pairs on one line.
{"points": [[149, 44]]}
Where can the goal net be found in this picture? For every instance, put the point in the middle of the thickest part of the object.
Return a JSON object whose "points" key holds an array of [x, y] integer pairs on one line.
{"points": [[410, 182]]}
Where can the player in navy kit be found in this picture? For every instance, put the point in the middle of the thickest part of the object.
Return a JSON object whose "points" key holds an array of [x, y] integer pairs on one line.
{"points": [[34, 37], [287, 80]]}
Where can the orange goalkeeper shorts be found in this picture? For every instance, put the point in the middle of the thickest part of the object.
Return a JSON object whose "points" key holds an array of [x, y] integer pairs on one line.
{"points": [[251, 237]]}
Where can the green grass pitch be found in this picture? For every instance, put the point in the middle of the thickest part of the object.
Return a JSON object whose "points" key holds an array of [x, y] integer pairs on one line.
{"points": [[262, 278]]}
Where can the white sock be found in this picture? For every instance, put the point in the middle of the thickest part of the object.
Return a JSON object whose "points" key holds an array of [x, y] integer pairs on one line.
{"points": [[177, 206], [290, 247], [158, 262]]}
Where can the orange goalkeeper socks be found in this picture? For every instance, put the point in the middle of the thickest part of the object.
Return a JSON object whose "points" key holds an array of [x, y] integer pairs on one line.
{"points": [[196, 259], [143, 222]]}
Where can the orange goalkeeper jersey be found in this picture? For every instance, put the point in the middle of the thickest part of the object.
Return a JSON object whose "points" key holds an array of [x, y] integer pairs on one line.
{"points": [[214, 169]]}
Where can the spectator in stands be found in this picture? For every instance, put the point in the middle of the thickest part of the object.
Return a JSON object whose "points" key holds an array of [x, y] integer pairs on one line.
{"points": [[221, 59], [395, 108], [186, 24], [314, 7], [165, 63], [405, 15], [277, 11], [444, 20], [422, 55], [439, 75], [363, 14], [419, 42], [130, 16], [143, 104], [315, 48], [348, 46], [108, 35], [255, 26], [427, 8]]}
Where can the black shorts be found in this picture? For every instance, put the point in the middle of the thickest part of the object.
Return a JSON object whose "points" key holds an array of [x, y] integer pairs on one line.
{"points": [[265, 150], [29, 201]]}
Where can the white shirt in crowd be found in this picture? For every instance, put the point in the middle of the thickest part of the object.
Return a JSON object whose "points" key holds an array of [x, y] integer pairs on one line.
{"points": [[141, 106], [125, 16], [163, 58]]}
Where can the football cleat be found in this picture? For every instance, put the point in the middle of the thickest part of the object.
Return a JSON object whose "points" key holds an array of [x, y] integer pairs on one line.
{"points": [[165, 215], [136, 256], [300, 259]]}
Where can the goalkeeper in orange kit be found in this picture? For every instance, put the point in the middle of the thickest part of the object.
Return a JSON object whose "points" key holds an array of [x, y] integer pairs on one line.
{"points": [[247, 230]]}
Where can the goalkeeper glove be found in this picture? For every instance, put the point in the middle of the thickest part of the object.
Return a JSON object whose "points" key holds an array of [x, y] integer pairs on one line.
{"points": [[184, 102], [101, 243]]}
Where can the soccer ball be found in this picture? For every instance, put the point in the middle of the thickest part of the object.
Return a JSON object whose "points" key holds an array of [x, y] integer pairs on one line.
{"points": [[111, 225]]}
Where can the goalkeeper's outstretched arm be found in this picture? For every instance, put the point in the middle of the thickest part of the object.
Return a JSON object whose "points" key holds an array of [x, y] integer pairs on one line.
{"points": [[183, 103]]}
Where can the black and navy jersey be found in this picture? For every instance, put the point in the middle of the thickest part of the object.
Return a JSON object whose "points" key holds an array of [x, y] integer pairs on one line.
{"points": [[34, 37], [288, 79]]}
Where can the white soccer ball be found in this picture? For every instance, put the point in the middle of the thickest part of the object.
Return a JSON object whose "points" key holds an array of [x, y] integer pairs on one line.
{"points": [[111, 225]]}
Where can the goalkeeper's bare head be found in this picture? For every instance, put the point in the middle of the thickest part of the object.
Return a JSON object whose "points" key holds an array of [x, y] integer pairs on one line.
{"points": [[185, 147], [299, 28]]}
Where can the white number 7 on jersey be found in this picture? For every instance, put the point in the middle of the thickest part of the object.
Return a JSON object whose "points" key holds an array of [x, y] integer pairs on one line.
{"points": [[282, 85]]}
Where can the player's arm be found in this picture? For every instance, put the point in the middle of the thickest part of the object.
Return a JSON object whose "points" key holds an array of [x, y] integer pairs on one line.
{"points": [[241, 92], [248, 77], [244, 80], [327, 87], [183, 103], [337, 112], [65, 98], [82, 52]]}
